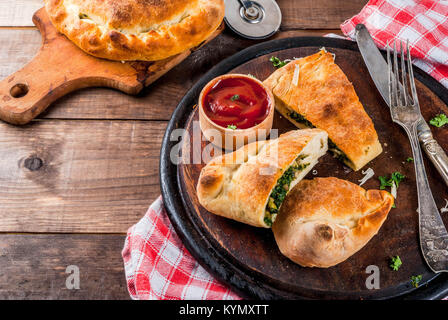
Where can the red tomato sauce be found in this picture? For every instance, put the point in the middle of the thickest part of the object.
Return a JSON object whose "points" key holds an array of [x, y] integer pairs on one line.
{"points": [[238, 101]]}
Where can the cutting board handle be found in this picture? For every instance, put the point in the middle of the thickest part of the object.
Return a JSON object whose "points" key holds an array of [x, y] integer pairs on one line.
{"points": [[29, 91]]}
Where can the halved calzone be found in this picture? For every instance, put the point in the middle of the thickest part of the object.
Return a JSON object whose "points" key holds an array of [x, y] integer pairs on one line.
{"points": [[326, 220], [250, 184], [314, 92]]}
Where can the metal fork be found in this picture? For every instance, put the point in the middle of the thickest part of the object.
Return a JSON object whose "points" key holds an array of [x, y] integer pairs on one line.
{"points": [[405, 110]]}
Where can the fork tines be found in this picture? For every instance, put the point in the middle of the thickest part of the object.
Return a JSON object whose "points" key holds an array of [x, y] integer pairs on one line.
{"points": [[398, 91]]}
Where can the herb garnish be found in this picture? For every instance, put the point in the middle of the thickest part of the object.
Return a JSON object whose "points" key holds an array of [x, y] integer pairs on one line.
{"points": [[439, 120], [396, 177], [415, 280], [384, 182], [276, 62], [395, 263], [235, 97], [410, 159], [231, 126]]}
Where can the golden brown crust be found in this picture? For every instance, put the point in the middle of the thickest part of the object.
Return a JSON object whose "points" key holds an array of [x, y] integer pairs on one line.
{"points": [[136, 29], [324, 221], [326, 98], [237, 185]]}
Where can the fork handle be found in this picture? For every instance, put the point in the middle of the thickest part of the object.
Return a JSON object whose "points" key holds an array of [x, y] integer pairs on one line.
{"points": [[433, 235], [435, 153]]}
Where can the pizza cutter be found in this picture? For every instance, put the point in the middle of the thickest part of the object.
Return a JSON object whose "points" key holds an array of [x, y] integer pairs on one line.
{"points": [[257, 19]]}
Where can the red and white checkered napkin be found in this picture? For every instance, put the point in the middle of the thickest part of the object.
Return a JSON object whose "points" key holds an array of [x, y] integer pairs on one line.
{"points": [[158, 266], [423, 22]]}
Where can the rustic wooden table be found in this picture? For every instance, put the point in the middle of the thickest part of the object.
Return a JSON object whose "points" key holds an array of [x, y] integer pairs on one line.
{"points": [[74, 180]]}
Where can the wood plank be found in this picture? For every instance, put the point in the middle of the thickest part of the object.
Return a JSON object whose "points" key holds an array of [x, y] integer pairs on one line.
{"points": [[19, 46], [303, 14], [33, 266], [78, 176], [317, 14], [157, 102], [18, 13]]}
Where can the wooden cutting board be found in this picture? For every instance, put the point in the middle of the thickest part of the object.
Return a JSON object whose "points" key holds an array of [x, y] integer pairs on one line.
{"points": [[60, 67], [247, 258]]}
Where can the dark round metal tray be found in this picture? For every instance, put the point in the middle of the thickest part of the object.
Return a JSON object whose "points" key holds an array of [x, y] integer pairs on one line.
{"points": [[224, 263]]}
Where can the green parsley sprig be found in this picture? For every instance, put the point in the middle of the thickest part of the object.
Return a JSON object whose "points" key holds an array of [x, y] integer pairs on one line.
{"points": [[231, 126], [439, 120], [276, 62], [396, 177], [415, 280], [395, 263], [235, 97]]}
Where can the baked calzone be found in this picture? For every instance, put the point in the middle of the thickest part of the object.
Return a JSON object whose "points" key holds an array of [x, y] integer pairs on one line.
{"points": [[326, 220], [314, 92], [250, 184], [136, 29]]}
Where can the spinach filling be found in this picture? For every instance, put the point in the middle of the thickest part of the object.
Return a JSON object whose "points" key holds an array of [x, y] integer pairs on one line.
{"points": [[279, 192], [300, 119], [337, 153]]}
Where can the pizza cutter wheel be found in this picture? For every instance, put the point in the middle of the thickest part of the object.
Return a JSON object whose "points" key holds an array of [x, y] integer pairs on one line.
{"points": [[258, 19]]}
